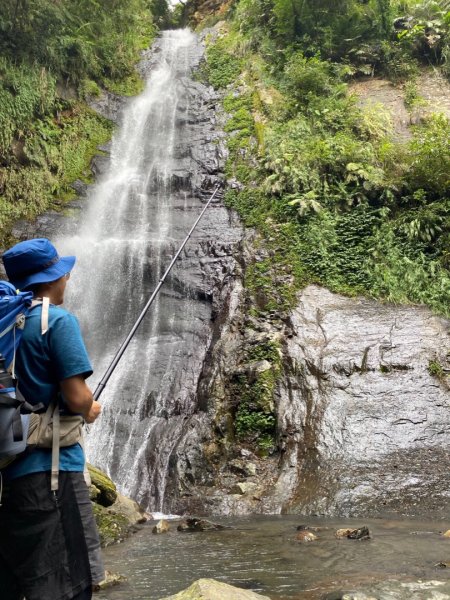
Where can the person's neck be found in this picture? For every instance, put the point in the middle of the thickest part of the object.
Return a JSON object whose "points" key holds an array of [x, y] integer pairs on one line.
{"points": [[49, 296]]}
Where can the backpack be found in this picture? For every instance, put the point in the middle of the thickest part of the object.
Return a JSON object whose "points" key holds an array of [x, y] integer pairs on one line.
{"points": [[14, 410], [22, 428]]}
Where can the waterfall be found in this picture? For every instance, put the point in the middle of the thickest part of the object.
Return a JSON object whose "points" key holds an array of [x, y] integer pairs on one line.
{"points": [[137, 214]]}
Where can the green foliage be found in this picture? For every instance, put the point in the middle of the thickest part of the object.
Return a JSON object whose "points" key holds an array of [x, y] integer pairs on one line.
{"points": [[25, 94], [76, 39], [267, 350], [435, 368], [161, 12], [57, 153], [89, 89], [412, 97], [401, 273], [397, 62], [255, 418], [339, 202], [47, 142], [131, 85], [429, 163], [222, 67], [253, 421], [307, 76], [241, 142]]}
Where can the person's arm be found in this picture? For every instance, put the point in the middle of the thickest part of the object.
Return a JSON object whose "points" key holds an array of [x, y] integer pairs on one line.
{"points": [[79, 399]]}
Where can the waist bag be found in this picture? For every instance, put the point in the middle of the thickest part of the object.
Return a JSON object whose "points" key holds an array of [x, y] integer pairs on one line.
{"points": [[23, 426]]}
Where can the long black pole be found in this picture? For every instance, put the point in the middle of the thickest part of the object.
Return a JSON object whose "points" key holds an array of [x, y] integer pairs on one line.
{"points": [[109, 371]]}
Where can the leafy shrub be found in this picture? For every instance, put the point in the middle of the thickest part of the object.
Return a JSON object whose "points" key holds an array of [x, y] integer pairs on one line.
{"points": [[57, 155], [76, 39], [307, 76], [429, 163], [222, 67], [338, 201], [25, 94]]}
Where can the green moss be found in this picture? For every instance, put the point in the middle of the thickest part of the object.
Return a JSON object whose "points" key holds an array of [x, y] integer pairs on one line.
{"points": [[106, 487], [268, 350], [89, 89], [253, 394], [112, 527]]}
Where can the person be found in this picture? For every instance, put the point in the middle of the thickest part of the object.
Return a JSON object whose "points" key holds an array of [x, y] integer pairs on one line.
{"points": [[49, 544]]}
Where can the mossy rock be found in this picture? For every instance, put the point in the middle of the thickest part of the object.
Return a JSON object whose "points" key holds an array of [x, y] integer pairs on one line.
{"points": [[112, 527], [107, 490], [210, 589]]}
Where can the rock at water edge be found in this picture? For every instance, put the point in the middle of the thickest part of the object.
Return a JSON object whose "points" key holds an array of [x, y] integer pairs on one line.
{"points": [[306, 536], [194, 524], [161, 527], [130, 509], [210, 589], [107, 490]]}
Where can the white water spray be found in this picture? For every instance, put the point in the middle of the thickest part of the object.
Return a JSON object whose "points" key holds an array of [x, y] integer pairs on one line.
{"points": [[123, 244]]}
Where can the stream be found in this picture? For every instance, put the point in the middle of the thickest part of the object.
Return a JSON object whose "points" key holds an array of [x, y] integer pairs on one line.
{"points": [[261, 553]]}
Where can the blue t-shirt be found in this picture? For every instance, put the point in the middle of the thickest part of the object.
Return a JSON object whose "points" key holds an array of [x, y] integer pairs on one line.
{"points": [[42, 361]]}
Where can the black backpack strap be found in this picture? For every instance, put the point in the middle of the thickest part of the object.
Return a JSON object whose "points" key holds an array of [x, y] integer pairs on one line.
{"points": [[22, 407], [27, 408]]}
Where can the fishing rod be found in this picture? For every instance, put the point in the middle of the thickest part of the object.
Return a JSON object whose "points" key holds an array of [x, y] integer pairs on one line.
{"points": [[109, 371]]}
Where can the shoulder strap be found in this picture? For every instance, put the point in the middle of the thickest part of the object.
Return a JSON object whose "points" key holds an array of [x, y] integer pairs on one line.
{"points": [[55, 448], [52, 412], [44, 314]]}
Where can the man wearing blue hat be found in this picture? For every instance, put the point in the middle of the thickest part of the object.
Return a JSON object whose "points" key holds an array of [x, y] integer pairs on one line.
{"points": [[49, 545]]}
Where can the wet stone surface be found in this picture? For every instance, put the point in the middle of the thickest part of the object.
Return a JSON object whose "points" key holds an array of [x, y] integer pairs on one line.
{"points": [[376, 421]]}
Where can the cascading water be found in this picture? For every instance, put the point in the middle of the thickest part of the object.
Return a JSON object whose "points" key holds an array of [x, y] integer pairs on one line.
{"points": [[138, 213]]}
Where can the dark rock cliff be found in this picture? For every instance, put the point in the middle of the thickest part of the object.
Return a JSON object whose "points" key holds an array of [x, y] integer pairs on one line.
{"points": [[363, 426]]}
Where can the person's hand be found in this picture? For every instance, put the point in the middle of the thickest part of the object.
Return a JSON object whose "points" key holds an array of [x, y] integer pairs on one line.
{"points": [[94, 412]]}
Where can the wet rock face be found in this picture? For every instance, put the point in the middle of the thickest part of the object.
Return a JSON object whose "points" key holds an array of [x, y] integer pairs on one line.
{"points": [[210, 589], [364, 427]]}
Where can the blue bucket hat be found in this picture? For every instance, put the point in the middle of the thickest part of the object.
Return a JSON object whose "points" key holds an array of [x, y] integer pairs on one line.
{"points": [[35, 261]]}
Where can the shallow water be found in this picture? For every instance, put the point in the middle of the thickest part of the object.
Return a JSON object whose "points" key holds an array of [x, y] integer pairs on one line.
{"points": [[262, 554]]}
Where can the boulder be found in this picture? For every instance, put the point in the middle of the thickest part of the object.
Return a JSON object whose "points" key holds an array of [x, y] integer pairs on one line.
{"points": [[161, 527], [110, 580], [306, 536], [112, 528], [343, 533], [360, 533], [94, 493], [210, 589], [194, 524], [242, 467], [129, 509], [117, 521], [244, 487], [107, 489]]}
